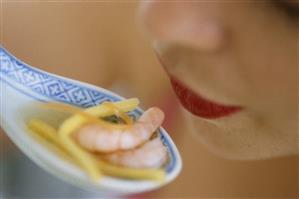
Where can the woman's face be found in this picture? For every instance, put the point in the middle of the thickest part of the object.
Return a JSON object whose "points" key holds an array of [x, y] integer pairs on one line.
{"points": [[234, 67]]}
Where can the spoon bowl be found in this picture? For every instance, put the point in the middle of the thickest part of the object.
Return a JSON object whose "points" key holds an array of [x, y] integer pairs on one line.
{"points": [[22, 86]]}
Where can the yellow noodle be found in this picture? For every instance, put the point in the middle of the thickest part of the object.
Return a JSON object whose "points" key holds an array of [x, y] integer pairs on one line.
{"points": [[82, 156], [132, 173], [47, 136], [79, 111], [45, 131], [74, 122], [128, 120]]}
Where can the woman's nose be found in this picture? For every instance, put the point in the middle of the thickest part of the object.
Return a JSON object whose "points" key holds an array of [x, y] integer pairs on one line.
{"points": [[182, 23]]}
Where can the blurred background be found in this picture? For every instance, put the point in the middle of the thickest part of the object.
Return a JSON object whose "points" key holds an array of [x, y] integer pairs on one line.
{"points": [[100, 43]]}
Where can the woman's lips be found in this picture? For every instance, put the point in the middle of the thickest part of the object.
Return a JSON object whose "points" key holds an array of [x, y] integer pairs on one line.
{"points": [[199, 106]]}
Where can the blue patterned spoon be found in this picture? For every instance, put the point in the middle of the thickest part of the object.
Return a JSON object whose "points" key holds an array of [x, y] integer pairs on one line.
{"points": [[21, 85]]}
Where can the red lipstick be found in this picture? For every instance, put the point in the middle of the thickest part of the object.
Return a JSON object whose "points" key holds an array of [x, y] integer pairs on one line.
{"points": [[199, 106]]}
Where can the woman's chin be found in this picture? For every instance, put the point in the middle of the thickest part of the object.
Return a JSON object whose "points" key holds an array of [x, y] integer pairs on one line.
{"points": [[242, 137]]}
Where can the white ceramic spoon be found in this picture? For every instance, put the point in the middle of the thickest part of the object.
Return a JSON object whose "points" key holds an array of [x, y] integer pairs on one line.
{"points": [[22, 85]]}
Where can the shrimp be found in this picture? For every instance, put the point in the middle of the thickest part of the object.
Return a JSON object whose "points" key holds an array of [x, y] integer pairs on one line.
{"points": [[153, 154], [94, 137]]}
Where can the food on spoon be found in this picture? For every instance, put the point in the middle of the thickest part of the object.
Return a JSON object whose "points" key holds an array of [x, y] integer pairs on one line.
{"points": [[95, 137], [152, 154], [105, 139]]}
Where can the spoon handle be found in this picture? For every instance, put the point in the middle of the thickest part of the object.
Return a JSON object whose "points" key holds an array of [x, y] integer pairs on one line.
{"points": [[26, 78]]}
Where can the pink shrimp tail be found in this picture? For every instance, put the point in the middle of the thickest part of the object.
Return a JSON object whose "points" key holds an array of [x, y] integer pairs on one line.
{"points": [[157, 116]]}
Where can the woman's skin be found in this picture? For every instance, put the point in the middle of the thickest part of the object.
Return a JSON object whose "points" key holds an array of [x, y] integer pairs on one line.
{"points": [[233, 54]]}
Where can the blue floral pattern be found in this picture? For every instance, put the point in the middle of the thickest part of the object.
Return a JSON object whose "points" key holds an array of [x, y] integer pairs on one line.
{"points": [[48, 85]]}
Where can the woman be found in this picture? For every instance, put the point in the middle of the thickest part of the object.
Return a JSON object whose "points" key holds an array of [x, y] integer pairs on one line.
{"points": [[234, 67], [223, 62]]}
